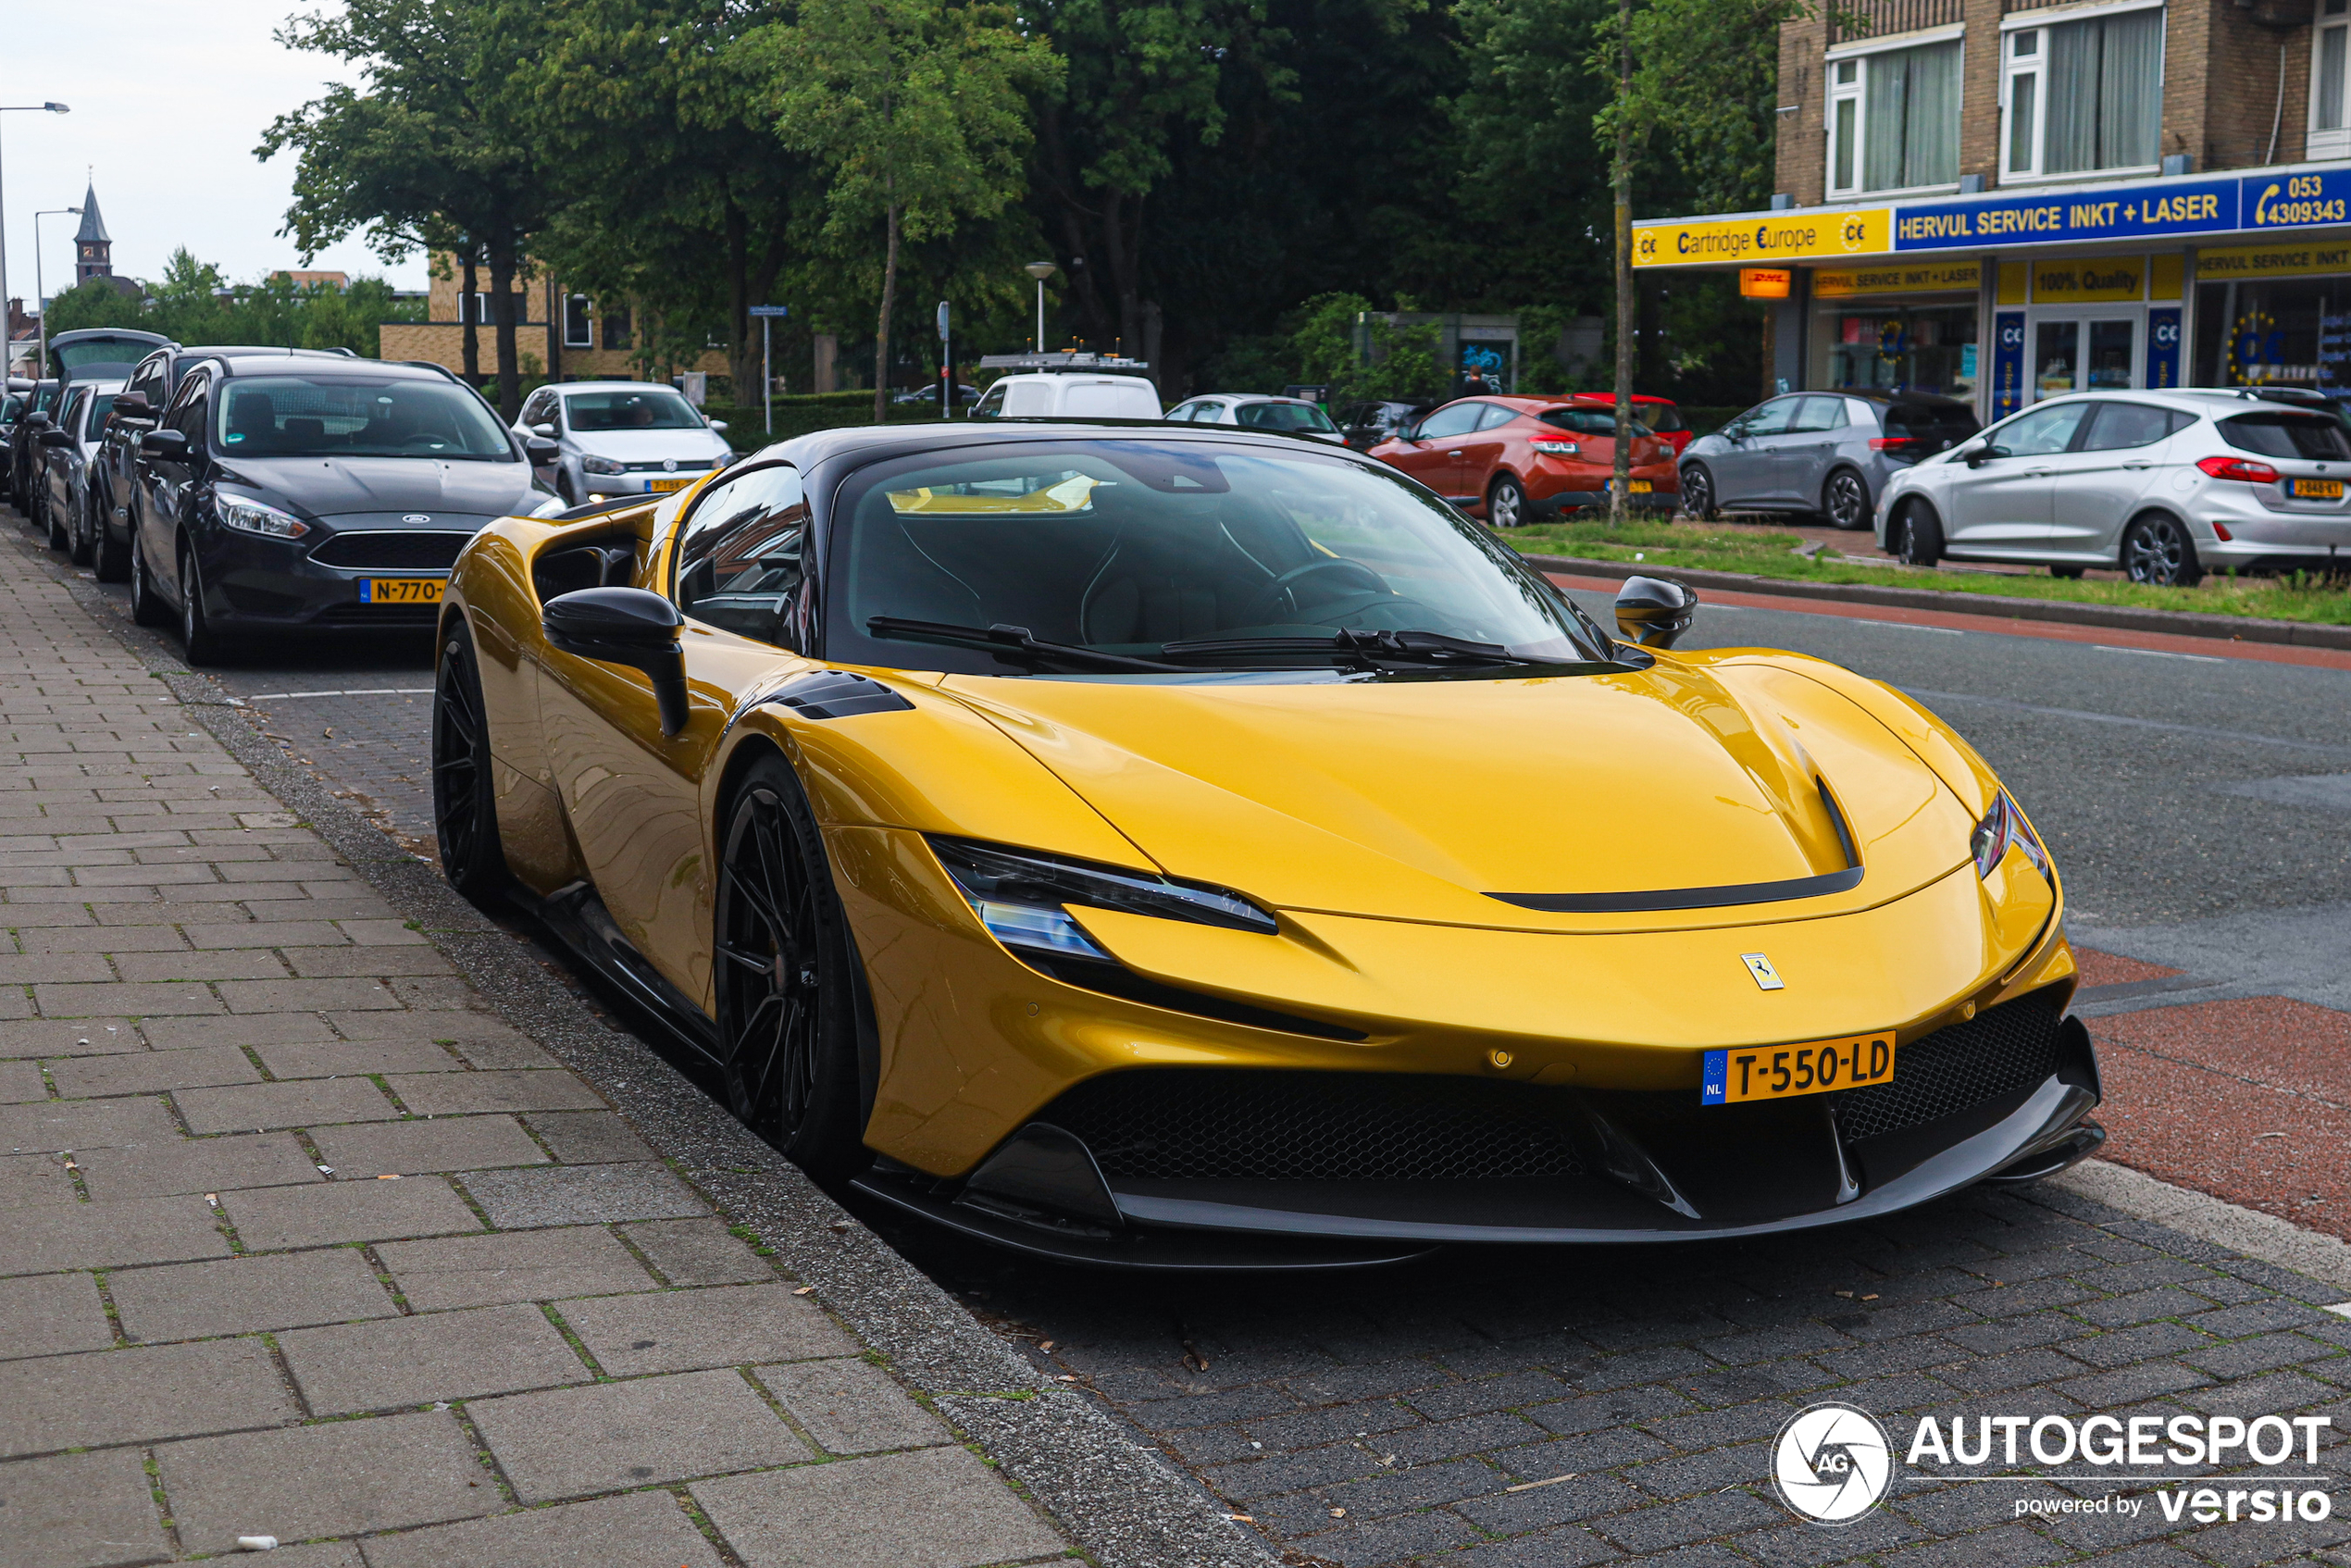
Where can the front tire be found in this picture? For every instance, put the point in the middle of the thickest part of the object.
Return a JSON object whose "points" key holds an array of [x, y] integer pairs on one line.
{"points": [[781, 967], [2158, 551], [464, 801], [60, 539], [1846, 500], [80, 540], [200, 644], [1921, 535], [1506, 502], [110, 557], [1698, 493], [147, 607]]}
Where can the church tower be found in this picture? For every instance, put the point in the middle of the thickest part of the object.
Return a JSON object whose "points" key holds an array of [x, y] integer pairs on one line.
{"points": [[93, 246]]}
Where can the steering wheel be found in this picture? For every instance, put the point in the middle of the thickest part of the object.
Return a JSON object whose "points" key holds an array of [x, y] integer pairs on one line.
{"points": [[1282, 592]]}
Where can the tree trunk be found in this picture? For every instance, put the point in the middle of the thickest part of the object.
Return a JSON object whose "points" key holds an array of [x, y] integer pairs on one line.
{"points": [[881, 336], [502, 317], [468, 286], [558, 322], [742, 353], [1620, 490]]}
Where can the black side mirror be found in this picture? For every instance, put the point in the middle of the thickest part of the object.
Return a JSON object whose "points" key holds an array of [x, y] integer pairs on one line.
{"points": [[56, 438], [1653, 612], [1977, 457], [625, 626], [38, 421], [540, 451], [164, 444], [133, 405]]}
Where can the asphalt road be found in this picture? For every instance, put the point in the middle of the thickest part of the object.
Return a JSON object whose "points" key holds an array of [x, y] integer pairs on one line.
{"points": [[1504, 1409]]}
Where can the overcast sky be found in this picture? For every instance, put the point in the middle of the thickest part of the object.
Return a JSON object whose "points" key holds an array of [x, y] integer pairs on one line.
{"points": [[170, 98]]}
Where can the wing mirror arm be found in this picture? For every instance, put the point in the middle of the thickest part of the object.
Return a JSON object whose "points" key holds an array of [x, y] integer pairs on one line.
{"points": [[628, 627], [1977, 457], [1653, 612]]}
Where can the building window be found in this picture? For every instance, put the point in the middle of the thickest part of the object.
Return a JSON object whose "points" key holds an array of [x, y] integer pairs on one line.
{"points": [[1894, 119], [1903, 347], [2084, 96], [617, 328], [2330, 125], [576, 321], [473, 310], [2292, 332]]}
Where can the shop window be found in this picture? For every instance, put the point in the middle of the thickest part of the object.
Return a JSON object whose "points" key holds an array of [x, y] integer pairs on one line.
{"points": [[2292, 332], [2330, 42], [576, 321], [1894, 119], [2085, 96], [1912, 348]]}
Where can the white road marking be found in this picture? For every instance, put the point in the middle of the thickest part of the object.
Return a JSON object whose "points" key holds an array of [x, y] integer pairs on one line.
{"points": [[1909, 626], [369, 692], [2158, 654]]}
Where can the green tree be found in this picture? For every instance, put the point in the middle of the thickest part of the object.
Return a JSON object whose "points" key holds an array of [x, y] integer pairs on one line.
{"points": [[915, 108], [193, 304], [436, 146]]}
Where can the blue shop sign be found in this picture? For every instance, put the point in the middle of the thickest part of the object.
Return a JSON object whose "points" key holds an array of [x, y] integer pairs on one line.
{"points": [[2296, 201], [2173, 207]]}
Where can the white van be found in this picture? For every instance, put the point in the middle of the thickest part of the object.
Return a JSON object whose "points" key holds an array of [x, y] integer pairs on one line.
{"points": [[1069, 397]]}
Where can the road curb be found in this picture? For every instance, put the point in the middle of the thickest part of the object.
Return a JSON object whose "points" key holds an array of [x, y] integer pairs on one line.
{"points": [[2248, 1231], [1098, 1477], [2116, 617]]}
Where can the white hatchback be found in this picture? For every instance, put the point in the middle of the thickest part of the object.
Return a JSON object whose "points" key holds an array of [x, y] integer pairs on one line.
{"points": [[2164, 485], [622, 438], [1257, 411]]}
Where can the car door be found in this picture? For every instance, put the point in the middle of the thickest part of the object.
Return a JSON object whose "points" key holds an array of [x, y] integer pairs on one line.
{"points": [[634, 795], [56, 462], [167, 484], [2000, 505], [2097, 486], [1431, 452], [1743, 470], [1482, 453], [118, 461], [1801, 457]]}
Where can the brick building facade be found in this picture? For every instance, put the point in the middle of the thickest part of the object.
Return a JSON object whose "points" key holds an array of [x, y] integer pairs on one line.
{"points": [[588, 343]]}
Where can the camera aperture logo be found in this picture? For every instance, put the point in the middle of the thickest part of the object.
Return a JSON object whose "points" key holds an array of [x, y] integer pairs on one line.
{"points": [[1833, 1464]]}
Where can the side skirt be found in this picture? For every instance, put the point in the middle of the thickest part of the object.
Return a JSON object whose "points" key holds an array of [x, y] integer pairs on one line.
{"points": [[579, 917]]}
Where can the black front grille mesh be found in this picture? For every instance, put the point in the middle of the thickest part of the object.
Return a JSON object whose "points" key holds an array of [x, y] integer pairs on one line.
{"points": [[2008, 1048], [393, 550], [1178, 1123]]}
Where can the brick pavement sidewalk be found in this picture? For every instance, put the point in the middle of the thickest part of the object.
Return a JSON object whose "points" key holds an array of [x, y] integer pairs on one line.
{"points": [[297, 1238]]}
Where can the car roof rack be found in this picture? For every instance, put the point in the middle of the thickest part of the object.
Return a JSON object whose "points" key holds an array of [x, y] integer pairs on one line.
{"points": [[1073, 359]]}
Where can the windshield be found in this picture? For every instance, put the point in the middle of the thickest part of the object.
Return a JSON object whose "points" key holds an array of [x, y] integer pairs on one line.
{"points": [[2287, 435], [102, 351], [344, 416], [1286, 417], [1131, 548], [648, 408]]}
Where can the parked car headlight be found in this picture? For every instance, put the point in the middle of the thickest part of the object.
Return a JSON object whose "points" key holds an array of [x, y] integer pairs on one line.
{"points": [[1018, 896], [251, 517], [602, 465], [2004, 827]]}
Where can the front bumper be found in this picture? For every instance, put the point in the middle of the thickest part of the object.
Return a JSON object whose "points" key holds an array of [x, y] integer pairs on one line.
{"points": [[605, 486], [261, 584]]}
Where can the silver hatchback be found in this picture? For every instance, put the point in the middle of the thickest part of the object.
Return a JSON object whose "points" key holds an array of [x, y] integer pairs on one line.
{"points": [[1829, 453], [2165, 486]]}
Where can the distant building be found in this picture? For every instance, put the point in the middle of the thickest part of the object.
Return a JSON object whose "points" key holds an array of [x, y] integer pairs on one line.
{"points": [[588, 342], [93, 249], [311, 280]]}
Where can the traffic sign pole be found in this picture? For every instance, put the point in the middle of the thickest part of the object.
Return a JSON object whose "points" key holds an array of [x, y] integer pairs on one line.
{"points": [[767, 314]]}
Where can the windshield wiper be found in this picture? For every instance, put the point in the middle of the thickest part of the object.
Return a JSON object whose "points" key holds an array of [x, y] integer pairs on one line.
{"points": [[1368, 648], [1006, 638]]}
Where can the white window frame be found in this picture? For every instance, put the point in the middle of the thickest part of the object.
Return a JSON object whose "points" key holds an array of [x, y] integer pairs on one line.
{"points": [[2038, 23], [587, 322], [2330, 17], [1856, 92]]}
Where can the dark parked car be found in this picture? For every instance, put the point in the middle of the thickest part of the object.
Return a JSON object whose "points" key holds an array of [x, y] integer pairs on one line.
{"points": [[1368, 424], [1826, 452], [91, 353], [12, 408], [36, 414], [63, 501], [114, 471], [297, 492]]}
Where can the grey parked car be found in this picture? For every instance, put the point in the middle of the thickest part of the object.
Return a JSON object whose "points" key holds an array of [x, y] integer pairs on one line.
{"points": [[621, 437], [71, 449], [1830, 453]]}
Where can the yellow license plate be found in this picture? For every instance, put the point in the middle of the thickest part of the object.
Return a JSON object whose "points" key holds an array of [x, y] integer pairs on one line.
{"points": [[663, 487], [2317, 489], [1638, 487], [1779, 1072], [400, 590]]}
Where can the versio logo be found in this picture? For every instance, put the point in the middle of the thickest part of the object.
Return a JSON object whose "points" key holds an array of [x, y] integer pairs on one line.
{"points": [[1833, 1464]]}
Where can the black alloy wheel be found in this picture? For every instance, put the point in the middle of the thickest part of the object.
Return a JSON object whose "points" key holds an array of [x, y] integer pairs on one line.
{"points": [[1698, 492], [2156, 550], [1922, 530], [1506, 502], [1847, 500], [147, 607], [465, 805], [787, 1020], [200, 644]]}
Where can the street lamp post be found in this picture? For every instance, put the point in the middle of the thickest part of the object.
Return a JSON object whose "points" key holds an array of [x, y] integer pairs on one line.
{"points": [[37, 295], [5, 342], [1040, 270]]}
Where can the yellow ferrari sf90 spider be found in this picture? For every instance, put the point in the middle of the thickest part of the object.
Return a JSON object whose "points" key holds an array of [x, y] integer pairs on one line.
{"points": [[1164, 846]]}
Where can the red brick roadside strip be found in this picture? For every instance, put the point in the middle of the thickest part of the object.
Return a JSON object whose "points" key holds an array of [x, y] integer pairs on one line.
{"points": [[302, 1236]]}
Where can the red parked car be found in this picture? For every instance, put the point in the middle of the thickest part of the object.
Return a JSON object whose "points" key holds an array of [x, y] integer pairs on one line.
{"points": [[1527, 459], [1659, 414]]}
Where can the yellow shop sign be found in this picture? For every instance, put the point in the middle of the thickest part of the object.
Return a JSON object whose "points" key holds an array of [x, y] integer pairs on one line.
{"points": [[2272, 261], [2089, 279], [1914, 278], [1767, 237]]}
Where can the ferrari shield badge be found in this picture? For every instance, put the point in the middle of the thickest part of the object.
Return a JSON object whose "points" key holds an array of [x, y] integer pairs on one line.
{"points": [[1766, 977]]}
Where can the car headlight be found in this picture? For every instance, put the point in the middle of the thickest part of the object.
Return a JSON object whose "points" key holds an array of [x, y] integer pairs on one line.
{"points": [[2003, 829], [602, 465], [1018, 896], [251, 517]]}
